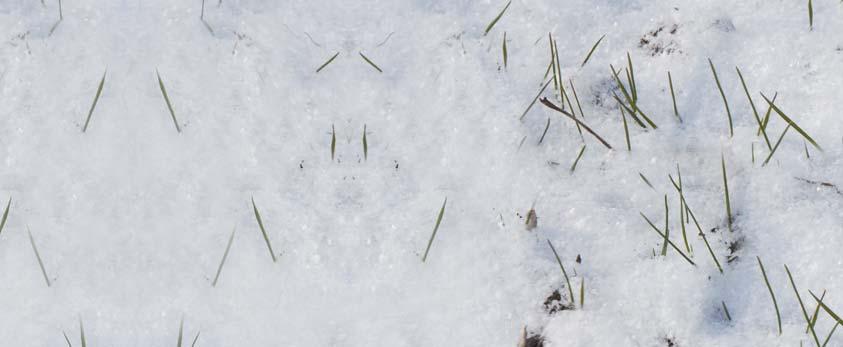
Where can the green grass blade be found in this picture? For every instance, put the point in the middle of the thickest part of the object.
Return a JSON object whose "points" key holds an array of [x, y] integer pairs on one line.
{"points": [[576, 98], [167, 100], [682, 211], [811, 14], [582, 293], [435, 229], [802, 305], [754, 110], [495, 21], [723, 95], [195, 339], [772, 295], [625, 128], [644, 178], [792, 123], [82, 333], [666, 227], [505, 55], [726, 311], [564, 273], [365, 144], [776, 146], [827, 338], [224, 257], [547, 126], [5, 215], [181, 332], [38, 256], [574, 166], [631, 78], [370, 62], [333, 141], [94, 104], [331, 59], [593, 48], [656, 229], [535, 99], [673, 96], [726, 193], [263, 230]]}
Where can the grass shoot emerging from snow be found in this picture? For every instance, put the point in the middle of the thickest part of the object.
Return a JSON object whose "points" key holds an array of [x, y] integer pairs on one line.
{"points": [[772, 295], [593, 48], [331, 59], [263, 230], [94, 104], [370, 62], [224, 257], [497, 18], [723, 95], [435, 229], [564, 273], [167, 100], [802, 306], [38, 257]]}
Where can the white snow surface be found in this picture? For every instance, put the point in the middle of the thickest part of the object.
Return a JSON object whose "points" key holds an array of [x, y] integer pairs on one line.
{"points": [[131, 218]]}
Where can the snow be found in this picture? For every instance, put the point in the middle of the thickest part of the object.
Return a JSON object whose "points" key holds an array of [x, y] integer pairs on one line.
{"points": [[131, 217]]}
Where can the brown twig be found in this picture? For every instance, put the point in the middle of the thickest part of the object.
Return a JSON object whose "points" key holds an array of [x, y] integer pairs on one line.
{"points": [[558, 109]]}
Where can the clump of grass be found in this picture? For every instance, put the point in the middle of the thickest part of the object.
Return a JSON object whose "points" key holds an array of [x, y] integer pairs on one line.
{"points": [[333, 141], [370, 62], [772, 295], [38, 256], [792, 123], [802, 305], [94, 104], [726, 193], [497, 18], [564, 273], [593, 48], [546, 127], [673, 97], [534, 100], [331, 59], [167, 100], [656, 229], [754, 111], [505, 55], [5, 215], [574, 118], [579, 156], [435, 229], [723, 95], [696, 223], [263, 230], [224, 257], [365, 144], [630, 94]]}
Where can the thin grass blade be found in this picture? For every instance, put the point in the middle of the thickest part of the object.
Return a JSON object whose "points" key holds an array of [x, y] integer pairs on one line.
{"points": [[263, 230], [792, 123], [167, 100], [331, 59], [94, 104], [802, 306], [497, 18], [370, 62], [38, 256], [564, 273], [723, 95], [224, 257], [593, 48], [435, 229], [772, 295]]}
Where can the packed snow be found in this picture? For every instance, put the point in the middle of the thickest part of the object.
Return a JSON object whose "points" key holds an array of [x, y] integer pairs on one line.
{"points": [[131, 217]]}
